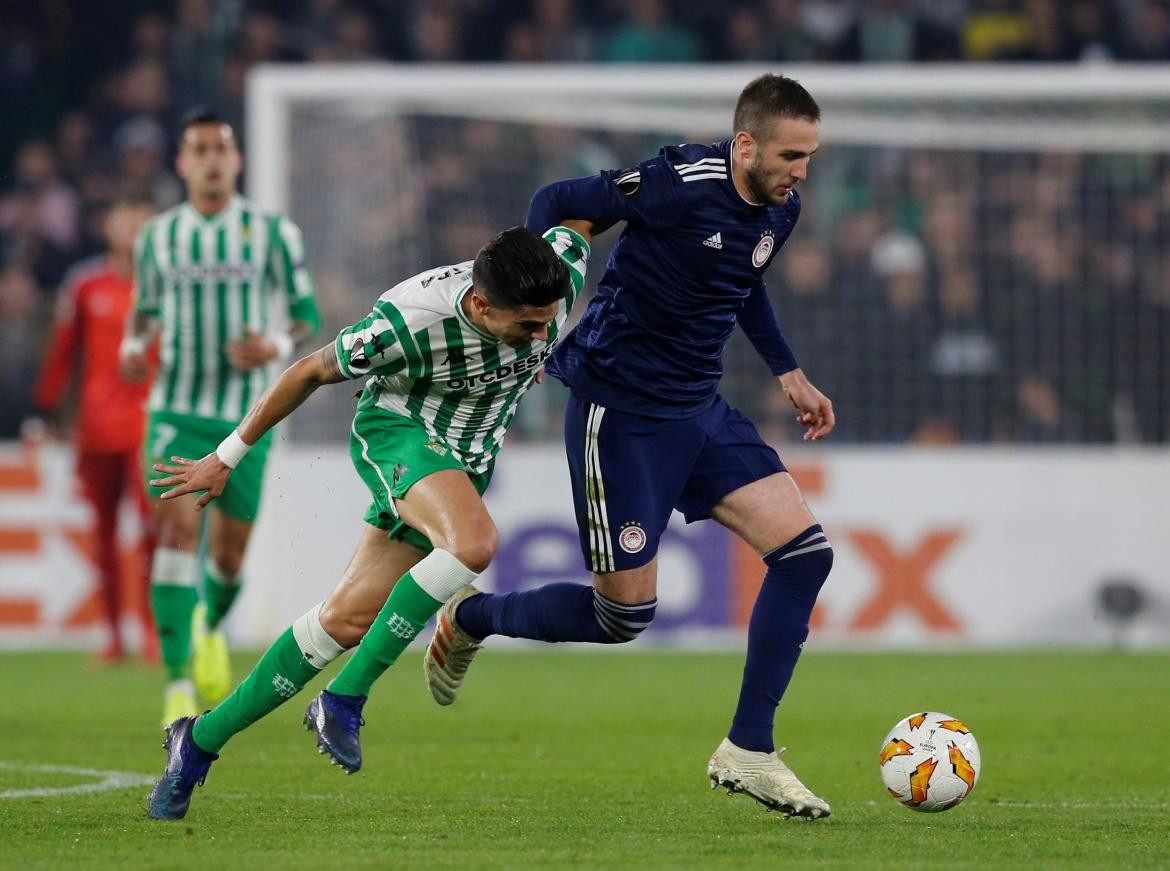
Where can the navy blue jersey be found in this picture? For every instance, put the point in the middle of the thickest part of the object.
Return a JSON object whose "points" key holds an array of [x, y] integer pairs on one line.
{"points": [[688, 265]]}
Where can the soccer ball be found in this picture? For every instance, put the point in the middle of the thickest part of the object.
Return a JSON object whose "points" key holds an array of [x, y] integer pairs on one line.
{"points": [[930, 761]]}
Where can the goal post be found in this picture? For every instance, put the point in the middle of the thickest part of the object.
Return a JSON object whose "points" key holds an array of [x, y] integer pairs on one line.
{"points": [[986, 241]]}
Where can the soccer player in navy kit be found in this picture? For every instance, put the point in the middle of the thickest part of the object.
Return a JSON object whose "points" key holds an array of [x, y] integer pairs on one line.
{"points": [[646, 432]]}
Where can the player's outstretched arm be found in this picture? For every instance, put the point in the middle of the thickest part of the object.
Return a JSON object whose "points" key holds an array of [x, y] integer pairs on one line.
{"points": [[816, 411], [210, 474]]}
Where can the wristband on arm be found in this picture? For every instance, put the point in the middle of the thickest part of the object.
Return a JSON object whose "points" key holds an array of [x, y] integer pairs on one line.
{"points": [[284, 345], [131, 345], [232, 449]]}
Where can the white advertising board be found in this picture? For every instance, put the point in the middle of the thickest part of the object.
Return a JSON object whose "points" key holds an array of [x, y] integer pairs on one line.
{"points": [[933, 548]]}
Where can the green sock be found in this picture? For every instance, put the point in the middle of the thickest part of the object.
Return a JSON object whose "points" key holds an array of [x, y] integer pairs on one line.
{"points": [[172, 606], [281, 673], [218, 593], [404, 614]]}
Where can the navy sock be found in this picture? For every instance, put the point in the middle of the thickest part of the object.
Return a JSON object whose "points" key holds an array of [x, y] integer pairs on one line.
{"points": [[776, 633], [554, 612]]}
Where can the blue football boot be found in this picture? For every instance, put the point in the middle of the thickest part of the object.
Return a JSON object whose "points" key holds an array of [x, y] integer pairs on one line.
{"points": [[186, 767], [336, 720]]}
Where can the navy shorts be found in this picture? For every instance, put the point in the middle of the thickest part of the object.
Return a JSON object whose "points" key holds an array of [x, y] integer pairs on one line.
{"points": [[630, 472]]}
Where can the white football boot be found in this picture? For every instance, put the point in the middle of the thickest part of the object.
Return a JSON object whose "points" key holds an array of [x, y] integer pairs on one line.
{"points": [[766, 779], [450, 652]]}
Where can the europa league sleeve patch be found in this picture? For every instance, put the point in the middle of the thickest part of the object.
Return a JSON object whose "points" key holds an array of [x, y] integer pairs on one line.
{"points": [[628, 180]]}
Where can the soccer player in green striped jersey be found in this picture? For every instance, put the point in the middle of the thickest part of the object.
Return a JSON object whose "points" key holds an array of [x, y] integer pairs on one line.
{"points": [[447, 355], [225, 286]]}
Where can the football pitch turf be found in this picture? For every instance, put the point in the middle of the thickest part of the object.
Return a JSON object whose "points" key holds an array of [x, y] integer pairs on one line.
{"points": [[587, 760]]}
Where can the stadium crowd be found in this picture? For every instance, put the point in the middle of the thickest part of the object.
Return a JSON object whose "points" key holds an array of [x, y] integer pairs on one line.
{"points": [[893, 296]]}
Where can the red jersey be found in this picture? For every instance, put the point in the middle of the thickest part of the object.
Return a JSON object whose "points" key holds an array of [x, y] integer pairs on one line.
{"points": [[91, 314]]}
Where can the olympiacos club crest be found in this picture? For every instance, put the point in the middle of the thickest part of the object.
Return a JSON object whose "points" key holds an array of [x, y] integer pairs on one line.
{"points": [[763, 250], [632, 537]]}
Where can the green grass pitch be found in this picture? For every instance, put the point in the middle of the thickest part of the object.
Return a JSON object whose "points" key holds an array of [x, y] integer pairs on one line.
{"points": [[586, 760]]}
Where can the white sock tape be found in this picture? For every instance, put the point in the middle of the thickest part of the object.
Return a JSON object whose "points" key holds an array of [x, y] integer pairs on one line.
{"points": [[175, 567], [441, 576], [219, 575], [315, 643]]}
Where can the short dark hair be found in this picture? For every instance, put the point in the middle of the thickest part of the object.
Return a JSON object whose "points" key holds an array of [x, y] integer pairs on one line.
{"points": [[518, 268], [199, 117], [768, 98]]}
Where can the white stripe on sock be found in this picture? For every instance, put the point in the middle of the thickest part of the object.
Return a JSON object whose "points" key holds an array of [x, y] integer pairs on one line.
{"points": [[174, 567], [315, 643], [441, 575], [808, 549]]}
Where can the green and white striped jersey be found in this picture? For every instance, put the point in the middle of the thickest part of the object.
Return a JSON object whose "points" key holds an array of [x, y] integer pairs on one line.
{"points": [[206, 279], [428, 362]]}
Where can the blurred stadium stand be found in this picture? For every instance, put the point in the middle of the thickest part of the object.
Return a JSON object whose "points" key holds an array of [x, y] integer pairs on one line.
{"points": [[937, 296]]}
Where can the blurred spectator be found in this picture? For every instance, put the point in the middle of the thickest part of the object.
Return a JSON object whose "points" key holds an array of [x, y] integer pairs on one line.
{"points": [[1040, 415], [20, 346], [23, 242], [890, 30], [747, 36], [1148, 36], [786, 33], [436, 35], [648, 35], [56, 203], [1090, 31], [198, 46], [996, 30], [141, 146], [560, 33], [964, 358]]}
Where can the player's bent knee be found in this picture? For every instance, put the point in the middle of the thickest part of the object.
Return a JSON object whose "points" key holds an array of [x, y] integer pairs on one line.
{"points": [[802, 564], [476, 550], [620, 624], [228, 560], [177, 536]]}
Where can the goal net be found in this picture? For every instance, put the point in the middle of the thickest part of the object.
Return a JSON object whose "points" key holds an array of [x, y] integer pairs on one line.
{"points": [[983, 254]]}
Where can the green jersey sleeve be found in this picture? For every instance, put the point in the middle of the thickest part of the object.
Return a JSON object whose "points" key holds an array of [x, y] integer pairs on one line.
{"points": [[148, 279], [291, 273], [374, 345], [572, 248]]}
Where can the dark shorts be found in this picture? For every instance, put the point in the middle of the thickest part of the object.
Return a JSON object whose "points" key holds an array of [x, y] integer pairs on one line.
{"points": [[630, 472]]}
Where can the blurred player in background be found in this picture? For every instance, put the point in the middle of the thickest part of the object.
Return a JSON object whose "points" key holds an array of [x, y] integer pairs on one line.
{"points": [[647, 432], [208, 275], [91, 309], [448, 355]]}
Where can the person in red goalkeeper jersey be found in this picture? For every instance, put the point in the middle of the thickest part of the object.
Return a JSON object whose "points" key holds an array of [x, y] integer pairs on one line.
{"points": [[110, 419]]}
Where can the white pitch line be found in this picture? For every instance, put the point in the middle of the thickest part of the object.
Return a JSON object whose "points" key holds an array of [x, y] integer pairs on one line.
{"points": [[106, 780], [1082, 805]]}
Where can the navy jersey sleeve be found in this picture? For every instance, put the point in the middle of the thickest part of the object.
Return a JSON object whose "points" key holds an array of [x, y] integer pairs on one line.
{"points": [[649, 194], [758, 320]]}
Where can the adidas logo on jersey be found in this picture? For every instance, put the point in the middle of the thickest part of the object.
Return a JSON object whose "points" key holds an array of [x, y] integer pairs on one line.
{"points": [[715, 241]]}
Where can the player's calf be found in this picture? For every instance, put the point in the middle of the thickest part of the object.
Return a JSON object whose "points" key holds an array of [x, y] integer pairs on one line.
{"points": [[555, 612]]}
